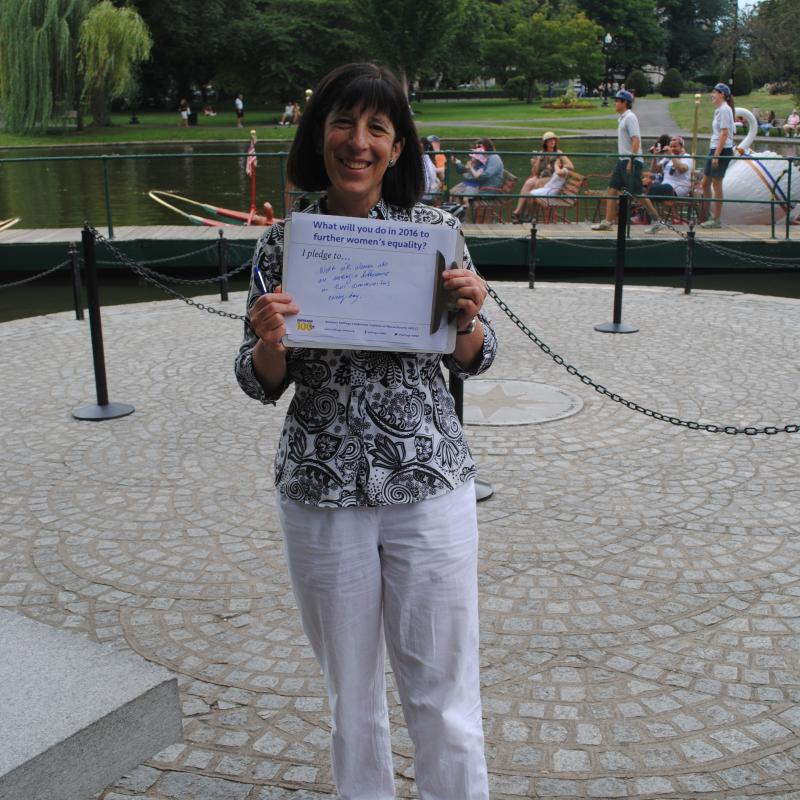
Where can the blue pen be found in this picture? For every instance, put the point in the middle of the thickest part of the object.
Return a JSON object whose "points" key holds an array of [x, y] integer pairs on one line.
{"points": [[258, 279]]}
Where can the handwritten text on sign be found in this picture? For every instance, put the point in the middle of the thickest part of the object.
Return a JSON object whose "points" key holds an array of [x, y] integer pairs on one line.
{"points": [[362, 281]]}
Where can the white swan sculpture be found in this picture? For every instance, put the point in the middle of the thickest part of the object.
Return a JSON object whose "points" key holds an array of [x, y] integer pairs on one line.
{"points": [[752, 178]]}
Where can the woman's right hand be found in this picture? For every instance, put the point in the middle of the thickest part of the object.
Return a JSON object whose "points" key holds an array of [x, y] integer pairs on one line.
{"points": [[267, 317]]}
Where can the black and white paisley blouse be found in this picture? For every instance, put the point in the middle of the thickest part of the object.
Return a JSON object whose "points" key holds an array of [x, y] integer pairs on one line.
{"points": [[365, 428]]}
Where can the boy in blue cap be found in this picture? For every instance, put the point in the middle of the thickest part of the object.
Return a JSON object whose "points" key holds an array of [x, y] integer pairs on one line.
{"points": [[627, 173]]}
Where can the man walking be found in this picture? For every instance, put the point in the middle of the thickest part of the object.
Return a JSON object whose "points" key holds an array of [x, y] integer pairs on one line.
{"points": [[627, 173], [239, 104]]}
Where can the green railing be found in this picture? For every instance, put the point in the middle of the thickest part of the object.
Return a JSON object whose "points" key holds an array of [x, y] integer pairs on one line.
{"points": [[588, 163]]}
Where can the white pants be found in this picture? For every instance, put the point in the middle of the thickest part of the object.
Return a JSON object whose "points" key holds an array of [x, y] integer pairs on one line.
{"points": [[409, 572]]}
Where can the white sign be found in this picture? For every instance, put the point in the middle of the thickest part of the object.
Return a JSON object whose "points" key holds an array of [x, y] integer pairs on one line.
{"points": [[369, 284]]}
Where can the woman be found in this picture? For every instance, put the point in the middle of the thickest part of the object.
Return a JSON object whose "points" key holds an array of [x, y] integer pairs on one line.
{"points": [[374, 477], [722, 127], [432, 184], [792, 123], [549, 172]]}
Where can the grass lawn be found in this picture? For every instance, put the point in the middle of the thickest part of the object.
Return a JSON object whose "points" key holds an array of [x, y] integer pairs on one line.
{"points": [[682, 109], [451, 120]]}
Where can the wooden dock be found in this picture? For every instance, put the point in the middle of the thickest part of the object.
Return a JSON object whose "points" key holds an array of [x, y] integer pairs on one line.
{"points": [[566, 245]]}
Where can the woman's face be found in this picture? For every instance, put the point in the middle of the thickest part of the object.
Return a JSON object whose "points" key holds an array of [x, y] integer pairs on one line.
{"points": [[357, 145], [717, 97], [550, 145]]}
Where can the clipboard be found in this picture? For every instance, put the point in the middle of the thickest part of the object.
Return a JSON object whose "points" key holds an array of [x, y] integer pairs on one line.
{"points": [[309, 268]]}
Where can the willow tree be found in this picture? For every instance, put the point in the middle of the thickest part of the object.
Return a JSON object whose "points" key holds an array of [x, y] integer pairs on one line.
{"points": [[112, 42], [38, 42]]}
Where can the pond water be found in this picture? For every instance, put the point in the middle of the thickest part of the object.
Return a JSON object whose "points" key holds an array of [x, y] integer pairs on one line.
{"points": [[69, 191]]}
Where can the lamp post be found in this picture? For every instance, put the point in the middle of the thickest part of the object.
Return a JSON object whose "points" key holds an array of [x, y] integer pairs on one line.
{"points": [[607, 40], [309, 92]]}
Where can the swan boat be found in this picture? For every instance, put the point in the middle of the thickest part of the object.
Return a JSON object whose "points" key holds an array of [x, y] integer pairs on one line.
{"points": [[754, 176], [5, 224]]}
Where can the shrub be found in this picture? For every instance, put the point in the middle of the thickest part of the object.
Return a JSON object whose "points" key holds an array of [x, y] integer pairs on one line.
{"points": [[672, 85], [637, 83], [742, 81], [516, 87], [569, 99]]}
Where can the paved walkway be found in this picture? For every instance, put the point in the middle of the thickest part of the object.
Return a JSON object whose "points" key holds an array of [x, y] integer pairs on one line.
{"points": [[640, 582]]}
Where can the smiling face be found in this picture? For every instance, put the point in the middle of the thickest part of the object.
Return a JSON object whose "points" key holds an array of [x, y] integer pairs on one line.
{"points": [[357, 145], [717, 98], [620, 106]]}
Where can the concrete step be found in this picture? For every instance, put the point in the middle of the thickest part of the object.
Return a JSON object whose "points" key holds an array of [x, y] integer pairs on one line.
{"points": [[75, 715]]}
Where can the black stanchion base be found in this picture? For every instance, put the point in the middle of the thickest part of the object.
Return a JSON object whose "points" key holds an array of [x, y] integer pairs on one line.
{"points": [[98, 413], [615, 327], [483, 490]]}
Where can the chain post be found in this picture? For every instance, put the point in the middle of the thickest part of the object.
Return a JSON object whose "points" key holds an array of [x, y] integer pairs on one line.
{"points": [[687, 282], [223, 277], [532, 254], [103, 409], [77, 288], [789, 196], [617, 325]]}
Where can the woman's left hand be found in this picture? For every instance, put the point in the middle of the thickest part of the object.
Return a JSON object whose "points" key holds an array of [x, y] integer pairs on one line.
{"points": [[468, 291]]}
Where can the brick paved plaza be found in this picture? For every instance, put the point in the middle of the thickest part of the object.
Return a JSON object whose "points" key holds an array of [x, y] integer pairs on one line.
{"points": [[640, 582]]}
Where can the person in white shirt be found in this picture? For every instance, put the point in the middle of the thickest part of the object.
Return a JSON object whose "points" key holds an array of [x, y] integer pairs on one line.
{"points": [[239, 105], [627, 174], [432, 184], [722, 128], [792, 123], [676, 170]]}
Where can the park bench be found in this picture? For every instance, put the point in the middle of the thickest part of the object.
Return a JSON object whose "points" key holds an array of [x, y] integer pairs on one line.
{"points": [[494, 204], [558, 206]]}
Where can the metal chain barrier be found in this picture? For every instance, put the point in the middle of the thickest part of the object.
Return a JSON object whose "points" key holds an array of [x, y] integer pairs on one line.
{"points": [[37, 276], [600, 389], [572, 370], [143, 273], [205, 249], [191, 281], [727, 252]]}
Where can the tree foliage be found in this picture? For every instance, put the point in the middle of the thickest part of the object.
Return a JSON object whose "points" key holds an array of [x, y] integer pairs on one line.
{"points": [[690, 28], [403, 33], [638, 36], [773, 32], [112, 42], [38, 40], [548, 49]]}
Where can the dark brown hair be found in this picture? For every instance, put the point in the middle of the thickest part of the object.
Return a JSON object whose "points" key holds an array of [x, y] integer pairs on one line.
{"points": [[367, 86]]}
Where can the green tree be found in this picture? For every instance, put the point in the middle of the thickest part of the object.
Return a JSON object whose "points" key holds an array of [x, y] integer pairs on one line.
{"points": [[773, 31], [403, 33], [38, 70], [690, 29], [636, 29], [288, 33], [551, 49], [112, 42], [459, 55], [193, 42]]}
